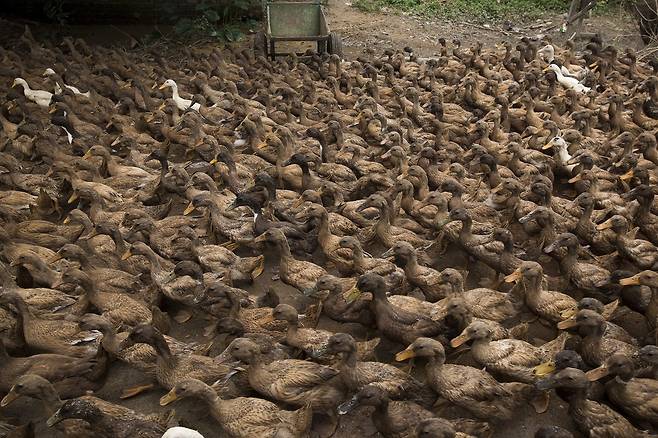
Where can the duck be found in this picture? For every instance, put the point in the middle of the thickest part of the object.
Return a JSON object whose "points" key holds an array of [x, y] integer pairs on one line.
{"points": [[181, 103], [588, 277], [393, 322], [40, 97], [425, 278], [549, 305], [108, 418], [244, 417], [172, 368], [596, 346], [58, 336], [465, 386], [293, 381], [396, 419], [299, 274], [641, 253], [591, 417], [634, 396], [355, 373], [314, 342], [512, 358], [650, 279]]}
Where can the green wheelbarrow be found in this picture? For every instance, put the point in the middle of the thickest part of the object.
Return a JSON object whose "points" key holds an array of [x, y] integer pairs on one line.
{"points": [[295, 21]]}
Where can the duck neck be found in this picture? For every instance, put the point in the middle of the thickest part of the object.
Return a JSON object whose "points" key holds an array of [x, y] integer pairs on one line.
{"points": [[162, 350], [50, 399], [324, 233], [349, 360], [532, 286]]}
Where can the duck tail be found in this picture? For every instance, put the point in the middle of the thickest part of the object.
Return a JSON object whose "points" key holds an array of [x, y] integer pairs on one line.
{"points": [[303, 420]]}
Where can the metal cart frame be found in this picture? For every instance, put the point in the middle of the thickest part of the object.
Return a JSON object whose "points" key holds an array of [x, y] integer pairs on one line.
{"points": [[295, 21]]}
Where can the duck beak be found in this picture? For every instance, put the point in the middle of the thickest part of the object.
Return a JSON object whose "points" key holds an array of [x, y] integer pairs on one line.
{"points": [[10, 397], [387, 253], [628, 175], [460, 340], [405, 354], [57, 284], [260, 239], [630, 281], [301, 216], [72, 199], [169, 397], [386, 155], [87, 154], [544, 369], [298, 202], [52, 110], [567, 324], [126, 255], [550, 248], [67, 219], [605, 225], [597, 373], [56, 258], [592, 65], [189, 209], [116, 141], [213, 161], [109, 125], [162, 87], [349, 405], [14, 84], [352, 295], [569, 313], [548, 145], [513, 277], [576, 178], [547, 69], [54, 419]]}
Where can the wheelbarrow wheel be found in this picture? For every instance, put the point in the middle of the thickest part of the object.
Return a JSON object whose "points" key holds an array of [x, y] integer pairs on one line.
{"points": [[260, 43], [335, 44]]}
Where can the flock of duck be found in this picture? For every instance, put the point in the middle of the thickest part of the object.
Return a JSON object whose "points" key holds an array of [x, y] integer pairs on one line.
{"points": [[467, 229]]}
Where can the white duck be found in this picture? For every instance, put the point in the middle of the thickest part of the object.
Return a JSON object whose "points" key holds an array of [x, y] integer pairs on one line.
{"points": [[181, 432], [567, 81], [40, 97], [181, 103], [547, 53], [563, 155], [58, 89]]}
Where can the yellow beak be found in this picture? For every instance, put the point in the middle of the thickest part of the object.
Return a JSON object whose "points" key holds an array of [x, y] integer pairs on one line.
{"points": [[73, 197], [162, 87], [605, 225], [628, 175], [169, 397], [67, 219], [543, 369], [189, 209], [567, 323], [213, 161], [52, 110], [569, 313], [630, 281], [576, 178], [352, 295], [597, 373], [10, 397], [513, 277], [56, 258], [405, 354], [87, 154], [459, 340], [548, 145], [126, 255]]}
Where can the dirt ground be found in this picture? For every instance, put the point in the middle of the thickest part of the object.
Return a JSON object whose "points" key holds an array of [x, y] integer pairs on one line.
{"points": [[387, 30]]}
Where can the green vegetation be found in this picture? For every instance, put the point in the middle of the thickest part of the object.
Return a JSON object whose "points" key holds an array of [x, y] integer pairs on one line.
{"points": [[223, 22], [472, 10]]}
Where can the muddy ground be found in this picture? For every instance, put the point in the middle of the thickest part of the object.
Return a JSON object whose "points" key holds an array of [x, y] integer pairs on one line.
{"points": [[377, 31]]}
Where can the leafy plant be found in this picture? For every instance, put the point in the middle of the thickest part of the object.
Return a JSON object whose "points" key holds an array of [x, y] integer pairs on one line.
{"points": [[55, 11], [213, 20]]}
